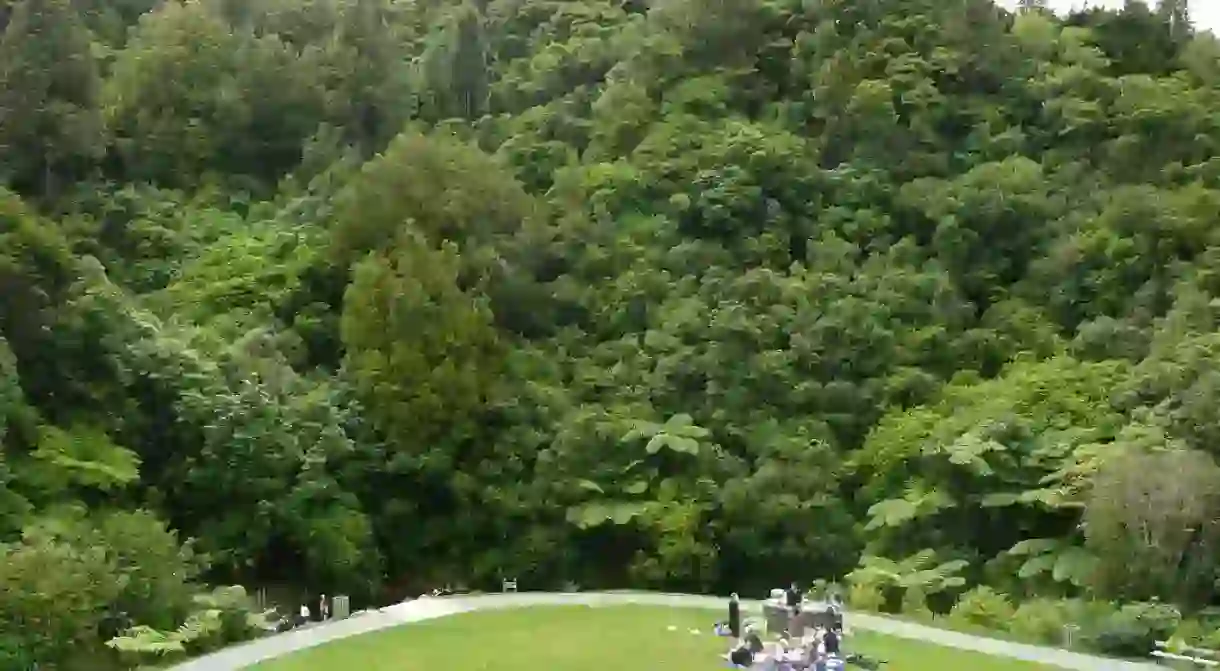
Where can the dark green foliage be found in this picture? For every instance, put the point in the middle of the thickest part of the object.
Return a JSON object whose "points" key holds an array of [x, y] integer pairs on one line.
{"points": [[51, 125], [364, 296]]}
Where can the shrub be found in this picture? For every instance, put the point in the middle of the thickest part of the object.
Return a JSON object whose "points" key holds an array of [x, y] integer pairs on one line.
{"points": [[1190, 632], [14, 654], [983, 607], [823, 590], [818, 590], [915, 603], [865, 597], [1209, 624], [1089, 614], [222, 617], [1040, 621], [1135, 628]]}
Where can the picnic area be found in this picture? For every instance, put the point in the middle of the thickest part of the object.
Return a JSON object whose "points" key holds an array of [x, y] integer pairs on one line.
{"points": [[583, 638]]}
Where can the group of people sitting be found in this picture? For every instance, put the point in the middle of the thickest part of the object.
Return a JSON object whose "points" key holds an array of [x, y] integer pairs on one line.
{"points": [[817, 649]]}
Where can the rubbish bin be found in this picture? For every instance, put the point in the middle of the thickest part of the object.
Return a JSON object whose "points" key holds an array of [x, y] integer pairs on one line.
{"points": [[341, 607]]}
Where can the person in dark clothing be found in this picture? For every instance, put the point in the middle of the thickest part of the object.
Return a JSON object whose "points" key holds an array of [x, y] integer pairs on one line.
{"points": [[754, 643], [794, 599], [741, 657], [831, 641], [735, 616]]}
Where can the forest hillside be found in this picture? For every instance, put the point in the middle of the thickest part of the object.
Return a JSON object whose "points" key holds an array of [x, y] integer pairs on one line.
{"points": [[370, 296]]}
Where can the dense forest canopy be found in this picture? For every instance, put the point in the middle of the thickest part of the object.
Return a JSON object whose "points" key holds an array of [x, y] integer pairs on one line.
{"points": [[367, 296]]}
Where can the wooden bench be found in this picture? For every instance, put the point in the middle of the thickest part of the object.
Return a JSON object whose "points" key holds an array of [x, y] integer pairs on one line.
{"points": [[1201, 658]]}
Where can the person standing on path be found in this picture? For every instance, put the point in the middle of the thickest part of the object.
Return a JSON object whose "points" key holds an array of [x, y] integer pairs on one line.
{"points": [[323, 608], [735, 616], [838, 611], [794, 606], [832, 642]]}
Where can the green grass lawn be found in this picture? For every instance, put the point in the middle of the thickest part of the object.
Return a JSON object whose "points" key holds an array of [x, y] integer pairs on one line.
{"points": [[580, 638]]}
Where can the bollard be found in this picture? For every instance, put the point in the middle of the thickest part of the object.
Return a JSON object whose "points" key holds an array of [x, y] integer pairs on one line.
{"points": [[1069, 631]]}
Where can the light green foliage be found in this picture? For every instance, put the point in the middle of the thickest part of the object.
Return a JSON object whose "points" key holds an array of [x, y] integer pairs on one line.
{"points": [[1033, 449], [1040, 621], [983, 607], [221, 617], [1063, 562], [72, 574], [152, 571], [65, 587], [144, 234], [865, 597], [253, 270], [915, 603], [910, 581], [82, 457]]}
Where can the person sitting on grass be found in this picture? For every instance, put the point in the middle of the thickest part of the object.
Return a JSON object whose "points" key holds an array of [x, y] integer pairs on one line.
{"points": [[740, 656], [779, 649], [754, 642]]}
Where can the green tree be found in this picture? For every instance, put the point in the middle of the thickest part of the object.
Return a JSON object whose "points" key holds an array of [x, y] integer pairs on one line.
{"points": [[364, 67], [55, 599], [51, 127], [420, 349], [189, 96], [455, 67], [1151, 518]]}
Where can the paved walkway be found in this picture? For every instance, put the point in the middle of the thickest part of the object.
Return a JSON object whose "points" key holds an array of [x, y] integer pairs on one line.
{"points": [[249, 654]]}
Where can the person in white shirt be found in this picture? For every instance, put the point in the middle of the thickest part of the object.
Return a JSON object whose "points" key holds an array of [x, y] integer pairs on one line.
{"points": [[304, 614]]}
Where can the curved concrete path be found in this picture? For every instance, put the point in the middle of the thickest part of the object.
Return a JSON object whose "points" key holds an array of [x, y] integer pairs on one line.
{"points": [[249, 654]]}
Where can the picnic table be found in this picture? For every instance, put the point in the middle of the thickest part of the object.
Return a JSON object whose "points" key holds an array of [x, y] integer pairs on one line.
{"points": [[813, 614]]}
